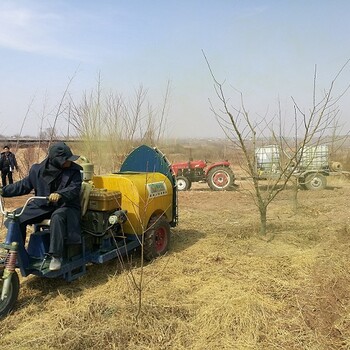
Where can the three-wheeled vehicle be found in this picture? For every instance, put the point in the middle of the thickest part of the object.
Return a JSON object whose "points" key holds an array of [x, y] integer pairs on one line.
{"points": [[121, 211]]}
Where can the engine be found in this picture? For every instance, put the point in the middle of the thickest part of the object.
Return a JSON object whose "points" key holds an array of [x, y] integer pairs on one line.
{"points": [[101, 224]]}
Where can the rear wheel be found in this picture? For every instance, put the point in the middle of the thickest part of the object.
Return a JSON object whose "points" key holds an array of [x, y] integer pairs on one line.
{"points": [[157, 238], [221, 179], [183, 183], [315, 182], [8, 303]]}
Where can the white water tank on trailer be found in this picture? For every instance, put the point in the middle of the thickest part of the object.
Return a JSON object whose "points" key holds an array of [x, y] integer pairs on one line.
{"points": [[268, 157], [315, 157]]}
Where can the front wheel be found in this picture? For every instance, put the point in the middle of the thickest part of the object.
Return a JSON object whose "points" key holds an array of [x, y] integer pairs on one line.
{"points": [[315, 182], [157, 238], [9, 301], [183, 183], [221, 179]]}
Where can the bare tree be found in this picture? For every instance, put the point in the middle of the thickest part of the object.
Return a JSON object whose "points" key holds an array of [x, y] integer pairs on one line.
{"points": [[110, 125], [165, 106], [61, 107], [24, 120], [244, 133]]}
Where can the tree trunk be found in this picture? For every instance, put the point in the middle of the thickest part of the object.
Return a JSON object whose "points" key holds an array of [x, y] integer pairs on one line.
{"points": [[295, 194], [263, 212]]}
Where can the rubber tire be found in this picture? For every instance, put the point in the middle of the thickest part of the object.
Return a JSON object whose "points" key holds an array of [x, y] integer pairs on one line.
{"points": [[183, 183], [315, 182], [7, 305], [157, 238], [221, 178]]}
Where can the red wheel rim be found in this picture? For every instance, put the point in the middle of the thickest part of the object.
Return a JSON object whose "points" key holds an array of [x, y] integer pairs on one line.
{"points": [[220, 179], [161, 239]]}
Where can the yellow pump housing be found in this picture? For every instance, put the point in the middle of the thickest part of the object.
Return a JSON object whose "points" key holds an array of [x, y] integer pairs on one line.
{"points": [[143, 195]]}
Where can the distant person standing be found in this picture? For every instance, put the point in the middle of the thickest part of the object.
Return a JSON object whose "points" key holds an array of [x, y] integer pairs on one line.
{"points": [[8, 164]]}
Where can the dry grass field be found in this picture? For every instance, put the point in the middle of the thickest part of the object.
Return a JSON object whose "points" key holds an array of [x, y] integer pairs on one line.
{"points": [[221, 286]]}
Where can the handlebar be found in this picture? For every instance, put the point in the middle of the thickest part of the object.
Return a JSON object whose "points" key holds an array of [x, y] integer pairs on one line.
{"points": [[14, 214]]}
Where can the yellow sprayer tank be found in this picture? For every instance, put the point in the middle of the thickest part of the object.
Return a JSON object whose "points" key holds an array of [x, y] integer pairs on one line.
{"points": [[144, 194]]}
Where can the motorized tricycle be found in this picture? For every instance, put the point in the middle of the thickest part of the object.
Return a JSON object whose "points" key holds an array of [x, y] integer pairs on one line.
{"points": [[122, 211]]}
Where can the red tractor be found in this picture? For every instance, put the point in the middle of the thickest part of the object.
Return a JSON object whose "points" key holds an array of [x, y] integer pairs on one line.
{"points": [[218, 176]]}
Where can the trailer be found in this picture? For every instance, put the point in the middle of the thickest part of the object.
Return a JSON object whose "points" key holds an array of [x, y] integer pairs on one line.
{"points": [[312, 168]]}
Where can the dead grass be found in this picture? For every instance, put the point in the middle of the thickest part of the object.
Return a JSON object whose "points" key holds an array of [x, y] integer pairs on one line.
{"points": [[220, 286]]}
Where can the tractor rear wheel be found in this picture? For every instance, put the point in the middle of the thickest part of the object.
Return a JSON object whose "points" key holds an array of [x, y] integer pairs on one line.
{"points": [[221, 178], [8, 303], [183, 183], [157, 238], [315, 182]]}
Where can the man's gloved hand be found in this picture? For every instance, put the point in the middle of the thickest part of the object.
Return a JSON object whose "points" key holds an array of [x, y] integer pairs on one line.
{"points": [[54, 197]]}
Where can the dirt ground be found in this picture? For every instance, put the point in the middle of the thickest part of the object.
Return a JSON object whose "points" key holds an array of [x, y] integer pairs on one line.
{"points": [[220, 287]]}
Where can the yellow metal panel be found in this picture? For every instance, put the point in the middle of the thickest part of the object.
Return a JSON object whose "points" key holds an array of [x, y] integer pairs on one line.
{"points": [[143, 195]]}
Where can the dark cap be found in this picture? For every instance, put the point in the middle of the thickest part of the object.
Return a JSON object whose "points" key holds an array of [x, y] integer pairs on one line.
{"points": [[61, 150]]}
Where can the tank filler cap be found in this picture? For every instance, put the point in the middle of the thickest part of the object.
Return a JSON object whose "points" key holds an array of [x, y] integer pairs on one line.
{"points": [[88, 169]]}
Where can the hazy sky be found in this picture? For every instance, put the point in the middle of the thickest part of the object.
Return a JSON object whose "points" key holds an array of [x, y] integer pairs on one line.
{"points": [[265, 49]]}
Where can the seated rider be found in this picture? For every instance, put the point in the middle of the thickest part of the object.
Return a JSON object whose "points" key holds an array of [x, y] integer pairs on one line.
{"points": [[58, 178]]}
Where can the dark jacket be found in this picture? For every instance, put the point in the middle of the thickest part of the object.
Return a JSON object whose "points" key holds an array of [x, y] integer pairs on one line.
{"points": [[68, 185], [10, 162]]}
